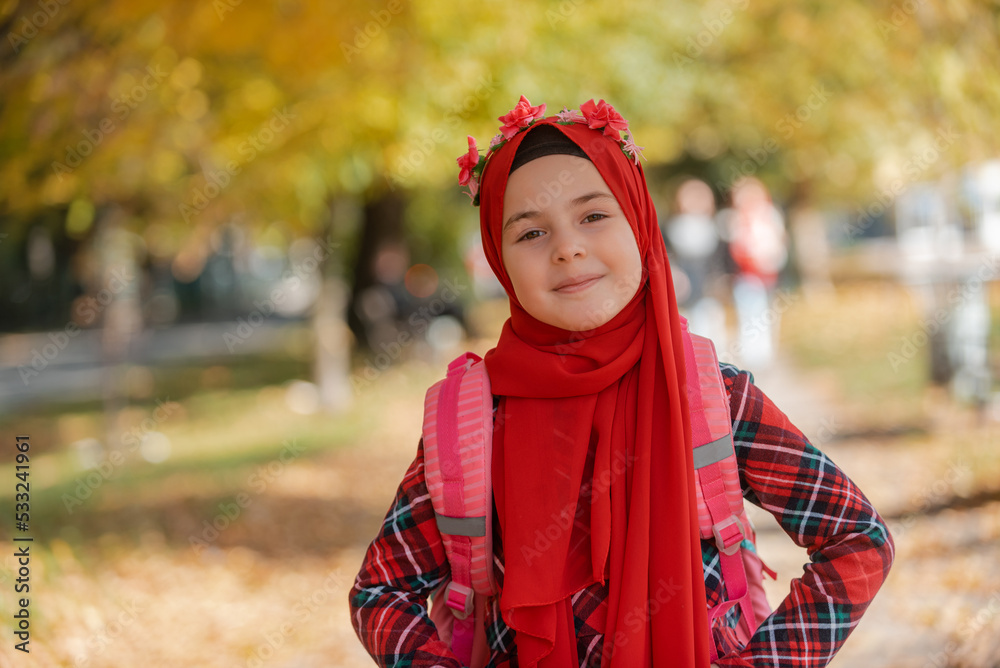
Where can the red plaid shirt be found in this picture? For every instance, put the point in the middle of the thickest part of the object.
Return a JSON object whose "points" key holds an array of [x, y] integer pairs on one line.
{"points": [[849, 548]]}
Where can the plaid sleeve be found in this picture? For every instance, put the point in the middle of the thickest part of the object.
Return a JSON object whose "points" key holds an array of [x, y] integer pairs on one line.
{"points": [[849, 546], [403, 565]]}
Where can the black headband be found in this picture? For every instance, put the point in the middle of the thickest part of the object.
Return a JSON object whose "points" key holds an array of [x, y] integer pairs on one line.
{"points": [[544, 140]]}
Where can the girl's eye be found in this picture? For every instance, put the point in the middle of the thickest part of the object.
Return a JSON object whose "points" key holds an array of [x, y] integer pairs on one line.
{"points": [[594, 217], [529, 235]]}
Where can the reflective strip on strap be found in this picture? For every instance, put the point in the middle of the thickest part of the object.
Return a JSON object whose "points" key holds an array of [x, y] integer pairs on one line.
{"points": [[713, 452], [462, 526]]}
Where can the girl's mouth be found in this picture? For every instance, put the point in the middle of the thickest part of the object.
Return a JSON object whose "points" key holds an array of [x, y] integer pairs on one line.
{"points": [[577, 283]]}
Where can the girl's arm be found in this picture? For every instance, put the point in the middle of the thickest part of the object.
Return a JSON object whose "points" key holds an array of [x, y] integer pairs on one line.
{"points": [[849, 546], [403, 565]]}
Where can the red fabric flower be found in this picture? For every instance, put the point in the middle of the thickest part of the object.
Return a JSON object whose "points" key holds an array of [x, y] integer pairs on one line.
{"points": [[603, 115], [468, 162], [521, 116]]}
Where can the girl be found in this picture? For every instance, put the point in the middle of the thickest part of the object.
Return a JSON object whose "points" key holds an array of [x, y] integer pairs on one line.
{"points": [[589, 379]]}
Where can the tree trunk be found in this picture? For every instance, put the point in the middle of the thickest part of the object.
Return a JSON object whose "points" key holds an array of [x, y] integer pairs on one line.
{"points": [[382, 225], [332, 361], [117, 292]]}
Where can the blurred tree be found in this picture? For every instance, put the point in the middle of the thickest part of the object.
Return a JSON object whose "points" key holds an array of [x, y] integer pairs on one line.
{"points": [[171, 119], [157, 105]]}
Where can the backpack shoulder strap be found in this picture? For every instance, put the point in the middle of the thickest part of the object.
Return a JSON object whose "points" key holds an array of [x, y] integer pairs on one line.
{"points": [[721, 515], [458, 449], [458, 453], [720, 505]]}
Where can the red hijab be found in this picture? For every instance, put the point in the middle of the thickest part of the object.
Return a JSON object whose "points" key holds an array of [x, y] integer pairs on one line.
{"points": [[593, 475]]}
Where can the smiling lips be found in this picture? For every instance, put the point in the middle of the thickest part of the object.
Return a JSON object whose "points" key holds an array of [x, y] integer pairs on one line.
{"points": [[577, 283]]}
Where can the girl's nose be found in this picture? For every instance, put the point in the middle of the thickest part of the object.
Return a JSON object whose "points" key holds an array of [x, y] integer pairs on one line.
{"points": [[568, 246]]}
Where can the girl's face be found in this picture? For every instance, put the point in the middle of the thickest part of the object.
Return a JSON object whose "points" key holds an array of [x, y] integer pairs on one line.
{"points": [[569, 250]]}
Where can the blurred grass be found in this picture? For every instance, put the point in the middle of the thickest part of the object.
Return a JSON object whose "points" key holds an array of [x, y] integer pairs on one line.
{"points": [[218, 438], [129, 541]]}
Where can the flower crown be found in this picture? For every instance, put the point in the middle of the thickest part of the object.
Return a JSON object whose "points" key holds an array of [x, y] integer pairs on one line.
{"points": [[523, 115]]}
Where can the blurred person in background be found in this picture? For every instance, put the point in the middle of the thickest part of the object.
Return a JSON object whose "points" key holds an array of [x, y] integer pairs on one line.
{"points": [[694, 245], [758, 246]]}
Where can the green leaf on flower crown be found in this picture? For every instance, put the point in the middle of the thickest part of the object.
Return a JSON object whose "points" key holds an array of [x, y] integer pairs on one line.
{"points": [[477, 171]]}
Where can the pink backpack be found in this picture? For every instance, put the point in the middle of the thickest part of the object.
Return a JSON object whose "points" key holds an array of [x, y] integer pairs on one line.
{"points": [[458, 437]]}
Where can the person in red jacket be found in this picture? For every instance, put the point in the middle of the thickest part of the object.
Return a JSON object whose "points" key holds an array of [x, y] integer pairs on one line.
{"points": [[589, 372], [758, 244]]}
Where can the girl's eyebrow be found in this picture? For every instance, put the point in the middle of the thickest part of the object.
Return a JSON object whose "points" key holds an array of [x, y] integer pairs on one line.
{"points": [[518, 216], [597, 194], [582, 199]]}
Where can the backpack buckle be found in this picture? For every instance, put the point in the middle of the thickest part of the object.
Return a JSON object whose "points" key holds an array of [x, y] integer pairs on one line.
{"points": [[729, 533], [459, 599]]}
